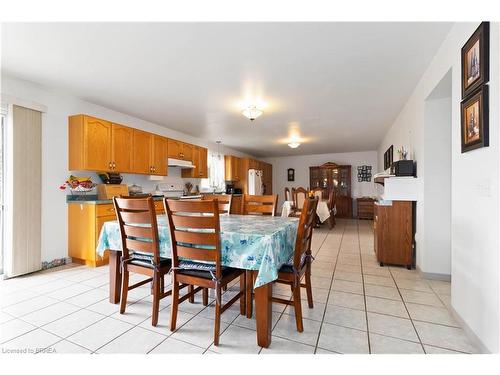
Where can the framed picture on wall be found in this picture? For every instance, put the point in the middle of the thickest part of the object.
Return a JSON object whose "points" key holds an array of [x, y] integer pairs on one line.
{"points": [[291, 174], [474, 124], [388, 157], [475, 60]]}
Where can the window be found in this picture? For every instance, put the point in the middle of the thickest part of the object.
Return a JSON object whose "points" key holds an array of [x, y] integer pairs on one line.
{"points": [[215, 180], [3, 113]]}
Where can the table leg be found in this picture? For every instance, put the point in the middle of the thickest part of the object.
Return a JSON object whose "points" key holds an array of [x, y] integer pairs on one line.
{"points": [[263, 314], [115, 276]]}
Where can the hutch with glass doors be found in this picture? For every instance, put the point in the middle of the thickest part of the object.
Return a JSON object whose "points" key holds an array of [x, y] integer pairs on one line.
{"points": [[333, 176]]}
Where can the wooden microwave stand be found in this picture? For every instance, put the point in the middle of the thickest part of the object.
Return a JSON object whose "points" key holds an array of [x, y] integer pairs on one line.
{"points": [[393, 233]]}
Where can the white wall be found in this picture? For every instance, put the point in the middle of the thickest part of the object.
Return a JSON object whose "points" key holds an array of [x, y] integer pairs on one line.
{"points": [[475, 268], [58, 106], [302, 163], [436, 257]]}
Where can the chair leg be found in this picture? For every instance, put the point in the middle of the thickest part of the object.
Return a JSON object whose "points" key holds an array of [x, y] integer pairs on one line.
{"points": [[123, 302], [175, 304], [191, 290], [297, 305], [248, 292], [162, 284], [309, 293], [156, 298], [243, 296], [218, 292], [205, 296]]}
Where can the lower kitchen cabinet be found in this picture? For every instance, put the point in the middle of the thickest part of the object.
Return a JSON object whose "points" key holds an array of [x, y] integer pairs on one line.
{"points": [[85, 221]]}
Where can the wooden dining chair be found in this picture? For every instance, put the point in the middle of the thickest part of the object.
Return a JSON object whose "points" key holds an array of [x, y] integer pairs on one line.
{"points": [[259, 204], [225, 201], [299, 264], [331, 207], [287, 194], [299, 196], [318, 192], [196, 256], [141, 252]]}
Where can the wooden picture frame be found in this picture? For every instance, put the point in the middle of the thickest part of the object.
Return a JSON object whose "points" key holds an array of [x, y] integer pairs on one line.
{"points": [[475, 120], [475, 60], [388, 157], [291, 174]]}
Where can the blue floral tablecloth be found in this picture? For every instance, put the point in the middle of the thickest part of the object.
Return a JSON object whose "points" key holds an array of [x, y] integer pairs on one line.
{"points": [[262, 243]]}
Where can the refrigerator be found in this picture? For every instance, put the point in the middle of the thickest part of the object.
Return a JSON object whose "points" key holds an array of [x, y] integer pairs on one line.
{"points": [[255, 186]]}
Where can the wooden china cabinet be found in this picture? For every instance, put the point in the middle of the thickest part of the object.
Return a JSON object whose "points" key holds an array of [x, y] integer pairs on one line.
{"points": [[333, 176]]}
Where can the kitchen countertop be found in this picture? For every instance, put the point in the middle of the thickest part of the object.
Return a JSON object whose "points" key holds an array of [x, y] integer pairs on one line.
{"points": [[92, 199]]}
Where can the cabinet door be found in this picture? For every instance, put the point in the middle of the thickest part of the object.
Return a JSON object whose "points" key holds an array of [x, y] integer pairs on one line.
{"points": [[159, 155], [141, 151], [97, 140], [203, 163], [121, 148], [174, 149], [187, 152], [194, 172]]}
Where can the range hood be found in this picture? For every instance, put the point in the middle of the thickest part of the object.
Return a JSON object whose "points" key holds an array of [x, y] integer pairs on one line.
{"points": [[180, 163]]}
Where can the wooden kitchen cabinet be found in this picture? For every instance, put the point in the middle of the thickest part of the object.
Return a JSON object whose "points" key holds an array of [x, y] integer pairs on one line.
{"points": [[199, 159], [180, 150], [121, 148], [232, 166], [141, 151], [85, 221], [89, 143], [393, 233], [365, 208], [159, 155]]}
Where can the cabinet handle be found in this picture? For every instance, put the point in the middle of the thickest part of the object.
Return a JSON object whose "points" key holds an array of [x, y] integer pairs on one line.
{"points": [[109, 165], [151, 169], [114, 165]]}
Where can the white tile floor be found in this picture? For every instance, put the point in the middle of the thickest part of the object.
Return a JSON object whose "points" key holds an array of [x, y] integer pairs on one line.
{"points": [[359, 308]]}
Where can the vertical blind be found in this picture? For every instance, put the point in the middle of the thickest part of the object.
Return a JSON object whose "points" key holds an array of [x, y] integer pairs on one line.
{"points": [[26, 210]]}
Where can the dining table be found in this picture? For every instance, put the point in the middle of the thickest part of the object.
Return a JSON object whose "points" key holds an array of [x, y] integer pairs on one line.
{"points": [[257, 243], [322, 209]]}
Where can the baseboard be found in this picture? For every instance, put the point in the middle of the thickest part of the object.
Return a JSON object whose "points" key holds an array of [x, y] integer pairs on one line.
{"points": [[55, 263], [434, 276], [470, 333]]}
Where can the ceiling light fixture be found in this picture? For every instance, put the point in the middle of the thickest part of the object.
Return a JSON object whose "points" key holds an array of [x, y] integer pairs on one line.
{"points": [[294, 144], [252, 112]]}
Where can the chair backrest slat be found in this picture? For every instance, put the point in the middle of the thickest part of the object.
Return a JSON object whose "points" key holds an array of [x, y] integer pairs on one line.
{"points": [[138, 238], [259, 204], [225, 201], [305, 230], [191, 233], [195, 253], [196, 238], [198, 222]]}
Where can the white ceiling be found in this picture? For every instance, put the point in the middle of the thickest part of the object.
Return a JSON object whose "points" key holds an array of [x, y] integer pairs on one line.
{"points": [[340, 85]]}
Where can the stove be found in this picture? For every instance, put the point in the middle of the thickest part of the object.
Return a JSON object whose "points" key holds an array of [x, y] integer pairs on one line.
{"points": [[173, 191]]}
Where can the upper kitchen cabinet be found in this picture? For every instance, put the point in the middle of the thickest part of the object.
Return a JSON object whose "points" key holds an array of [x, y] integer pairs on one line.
{"points": [[174, 149], [180, 150], [98, 145], [159, 155], [141, 151], [199, 159], [231, 168], [121, 146], [149, 153], [89, 144]]}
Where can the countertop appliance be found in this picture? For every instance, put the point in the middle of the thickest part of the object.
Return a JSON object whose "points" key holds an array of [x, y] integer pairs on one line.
{"points": [[403, 168], [255, 186]]}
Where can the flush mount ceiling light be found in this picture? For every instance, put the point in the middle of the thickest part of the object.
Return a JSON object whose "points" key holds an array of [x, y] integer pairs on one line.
{"points": [[294, 144], [252, 112]]}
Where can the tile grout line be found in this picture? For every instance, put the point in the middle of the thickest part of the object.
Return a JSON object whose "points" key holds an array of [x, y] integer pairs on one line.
{"points": [[407, 311], [364, 292], [331, 284]]}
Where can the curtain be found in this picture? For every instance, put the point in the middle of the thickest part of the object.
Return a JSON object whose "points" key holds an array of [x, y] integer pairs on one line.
{"points": [[215, 178]]}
